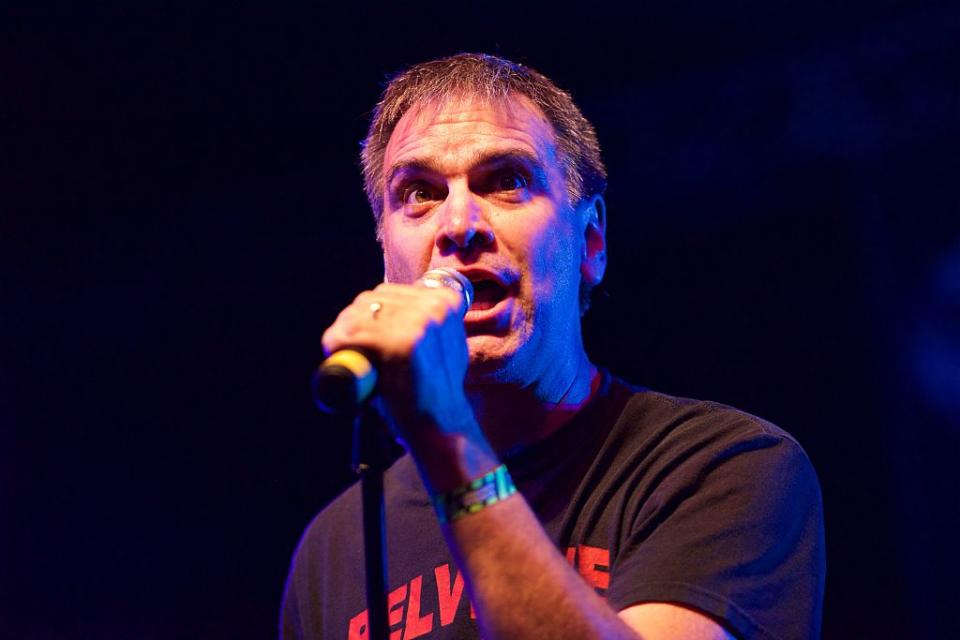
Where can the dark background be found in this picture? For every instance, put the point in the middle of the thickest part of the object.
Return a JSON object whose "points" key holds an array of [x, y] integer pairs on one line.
{"points": [[182, 215]]}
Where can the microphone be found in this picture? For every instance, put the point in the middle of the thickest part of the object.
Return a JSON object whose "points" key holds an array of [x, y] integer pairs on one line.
{"points": [[347, 379]]}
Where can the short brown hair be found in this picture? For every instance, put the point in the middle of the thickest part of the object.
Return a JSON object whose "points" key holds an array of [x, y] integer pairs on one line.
{"points": [[493, 79]]}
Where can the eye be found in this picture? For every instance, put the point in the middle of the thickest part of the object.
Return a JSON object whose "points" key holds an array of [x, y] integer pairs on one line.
{"points": [[508, 181], [418, 193]]}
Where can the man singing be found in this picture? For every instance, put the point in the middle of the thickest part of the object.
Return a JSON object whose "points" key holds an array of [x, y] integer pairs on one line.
{"points": [[540, 496]]}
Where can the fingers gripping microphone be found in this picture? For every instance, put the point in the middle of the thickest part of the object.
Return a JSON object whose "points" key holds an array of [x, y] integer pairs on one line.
{"points": [[347, 378]]}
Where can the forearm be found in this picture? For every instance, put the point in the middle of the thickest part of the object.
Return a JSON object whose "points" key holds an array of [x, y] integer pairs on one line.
{"points": [[520, 585]]}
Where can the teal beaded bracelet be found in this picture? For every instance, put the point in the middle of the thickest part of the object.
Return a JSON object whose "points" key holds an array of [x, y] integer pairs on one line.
{"points": [[474, 496]]}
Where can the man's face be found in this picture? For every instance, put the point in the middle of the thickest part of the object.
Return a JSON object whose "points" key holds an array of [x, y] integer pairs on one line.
{"points": [[479, 188]]}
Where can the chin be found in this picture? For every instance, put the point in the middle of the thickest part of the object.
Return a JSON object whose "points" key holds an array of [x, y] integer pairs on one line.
{"points": [[493, 359], [488, 355]]}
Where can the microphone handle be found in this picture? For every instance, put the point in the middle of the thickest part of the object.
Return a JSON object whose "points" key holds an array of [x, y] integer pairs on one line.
{"points": [[348, 378]]}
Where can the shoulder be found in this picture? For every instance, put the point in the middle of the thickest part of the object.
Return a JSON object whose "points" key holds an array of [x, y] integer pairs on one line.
{"points": [[334, 530], [688, 416], [328, 563], [667, 427], [321, 541]]}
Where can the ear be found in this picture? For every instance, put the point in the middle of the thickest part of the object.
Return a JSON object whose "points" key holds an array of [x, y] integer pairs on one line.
{"points": [[593, 259]]}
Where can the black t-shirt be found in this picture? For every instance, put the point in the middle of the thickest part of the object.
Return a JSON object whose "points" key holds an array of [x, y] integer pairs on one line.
{"points": [[650, 498]]}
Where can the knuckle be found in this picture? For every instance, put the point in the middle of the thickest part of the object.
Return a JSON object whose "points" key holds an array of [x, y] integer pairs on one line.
{"points": [[437, 304], [448, 298], [388, 289], [363, 297], [329, 341], [345, 321]]}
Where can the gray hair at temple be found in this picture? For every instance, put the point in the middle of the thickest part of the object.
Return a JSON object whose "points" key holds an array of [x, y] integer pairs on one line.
{"points": [[491, 79]]}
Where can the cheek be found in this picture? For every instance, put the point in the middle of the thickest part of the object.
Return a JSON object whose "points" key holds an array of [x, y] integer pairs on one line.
{"points": [[406, 255], [556, 266]]}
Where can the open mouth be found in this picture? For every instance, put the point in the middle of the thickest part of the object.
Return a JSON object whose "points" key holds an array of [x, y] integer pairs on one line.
{"points": [[486, 294]]}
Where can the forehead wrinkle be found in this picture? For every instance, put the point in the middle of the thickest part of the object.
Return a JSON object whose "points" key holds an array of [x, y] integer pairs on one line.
{"points": [[412, 164], [465, 110], [492, 156], [481, 158]]}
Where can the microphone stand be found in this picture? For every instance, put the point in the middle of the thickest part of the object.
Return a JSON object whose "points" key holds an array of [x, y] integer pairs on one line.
{"points": [[370, 460]]}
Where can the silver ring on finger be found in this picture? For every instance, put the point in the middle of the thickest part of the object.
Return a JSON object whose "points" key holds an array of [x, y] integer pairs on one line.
{"points": [[375, 308]]}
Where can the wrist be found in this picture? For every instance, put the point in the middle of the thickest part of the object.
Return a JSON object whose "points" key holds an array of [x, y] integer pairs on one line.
{"points": [[449, 460], [474, 496]]}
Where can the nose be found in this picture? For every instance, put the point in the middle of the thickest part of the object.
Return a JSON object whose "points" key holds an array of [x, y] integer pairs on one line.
{"points": [[463, 226]]}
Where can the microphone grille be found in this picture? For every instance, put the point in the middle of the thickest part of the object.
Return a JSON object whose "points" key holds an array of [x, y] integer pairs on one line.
{"points": [[451, 279]]}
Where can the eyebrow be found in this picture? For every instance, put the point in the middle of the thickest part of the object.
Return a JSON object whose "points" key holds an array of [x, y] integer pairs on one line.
{"points": [[481, 158]]}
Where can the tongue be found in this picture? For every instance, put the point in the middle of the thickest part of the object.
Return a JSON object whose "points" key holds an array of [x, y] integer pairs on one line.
{"points": [[486, 294]]}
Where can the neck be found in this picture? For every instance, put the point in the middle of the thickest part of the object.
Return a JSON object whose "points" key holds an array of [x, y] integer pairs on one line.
{"points": [[518, 415]]}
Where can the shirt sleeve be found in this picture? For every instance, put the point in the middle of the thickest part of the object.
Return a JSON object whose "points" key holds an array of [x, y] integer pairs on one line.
{"points": [[735, 530]]}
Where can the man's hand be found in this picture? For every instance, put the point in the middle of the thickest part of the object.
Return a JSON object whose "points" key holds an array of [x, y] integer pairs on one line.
{"points": [[416, 339]]}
